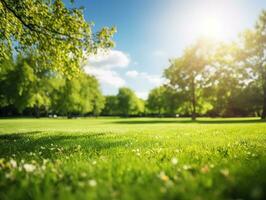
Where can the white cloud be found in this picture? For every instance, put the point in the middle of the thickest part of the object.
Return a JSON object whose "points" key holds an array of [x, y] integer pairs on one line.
{"points": [[132, 73], [152, 78], [103, 66], [109, 59], [155, 79], [106, 76], [142, 95], [159, 53]]}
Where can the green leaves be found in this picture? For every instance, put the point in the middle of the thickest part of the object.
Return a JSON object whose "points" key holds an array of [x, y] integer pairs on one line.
{"points": [[25, 85], [80, 95], [60, 36], [163, 100], [128, 102], [187, 72]]}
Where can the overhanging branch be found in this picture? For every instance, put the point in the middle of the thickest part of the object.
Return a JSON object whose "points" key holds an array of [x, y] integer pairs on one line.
{"points": [[37, 28]]}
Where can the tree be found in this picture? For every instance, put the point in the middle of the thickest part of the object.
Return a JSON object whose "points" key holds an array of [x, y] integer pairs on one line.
{"points": [[163, 100], [23, 85], [79, 95], [186, 73], [225, 79], [254, 56], [28, 87], [111, 106], [155, 101], [60, 35], [245, 102], [129, 103], [6, 66], [97, 99]]}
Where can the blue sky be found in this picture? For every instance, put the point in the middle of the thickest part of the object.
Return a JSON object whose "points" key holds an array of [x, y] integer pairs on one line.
{"points": [[150, 32]]}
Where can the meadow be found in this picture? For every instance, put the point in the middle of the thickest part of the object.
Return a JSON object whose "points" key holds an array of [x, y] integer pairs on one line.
{"points": [[132, 158]]}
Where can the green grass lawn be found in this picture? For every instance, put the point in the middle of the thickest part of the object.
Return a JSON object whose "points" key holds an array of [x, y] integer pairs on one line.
{"points": [[114, 158]]}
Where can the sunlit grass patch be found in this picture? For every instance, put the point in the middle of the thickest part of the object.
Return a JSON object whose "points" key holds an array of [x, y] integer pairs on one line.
{"points": [[132, 159]]}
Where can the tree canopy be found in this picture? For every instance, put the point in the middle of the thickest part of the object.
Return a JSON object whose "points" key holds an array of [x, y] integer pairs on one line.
{"points": [[24, 87], [163, 100], [253, 56], [187, 73], [59, 35], [128, 102]]}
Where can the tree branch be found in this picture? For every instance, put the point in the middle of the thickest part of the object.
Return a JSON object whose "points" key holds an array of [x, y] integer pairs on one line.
{"points": [[4, 3], [37, 28]]}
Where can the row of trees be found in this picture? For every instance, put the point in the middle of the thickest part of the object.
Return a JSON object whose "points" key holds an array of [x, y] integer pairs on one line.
{"points": [[211, 79], [31, 90], [125, 103], [27, 89], [223, 79], [217, 88]]}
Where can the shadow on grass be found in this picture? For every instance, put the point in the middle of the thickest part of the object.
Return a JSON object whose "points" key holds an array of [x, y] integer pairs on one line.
{"points": [[188, 121], [26, 142]]}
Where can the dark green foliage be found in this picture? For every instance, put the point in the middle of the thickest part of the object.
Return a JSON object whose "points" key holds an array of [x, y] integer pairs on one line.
{"points": [[163, 100], [79, 95], [252, 56], [129, 103], [26, 87], [111, 106], [125, 103]]}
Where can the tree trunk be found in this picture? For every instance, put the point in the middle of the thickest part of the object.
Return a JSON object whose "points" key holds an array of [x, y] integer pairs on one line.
{"points": [[263, 115], [69, 115], [37, 111], [193, 114], [160, 112]]}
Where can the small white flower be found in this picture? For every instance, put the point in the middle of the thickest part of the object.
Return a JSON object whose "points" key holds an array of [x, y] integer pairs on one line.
{"points": [[13, 163], [45, 161], [163, 176], [92, 183], [174, 161], [186, 167], [9, 176], [29, 167], [83, 174], [225, 172]]}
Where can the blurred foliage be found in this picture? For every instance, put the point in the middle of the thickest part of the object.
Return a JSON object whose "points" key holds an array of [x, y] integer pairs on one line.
{"points": [[24, 86], [129, 103], [223, 79]]}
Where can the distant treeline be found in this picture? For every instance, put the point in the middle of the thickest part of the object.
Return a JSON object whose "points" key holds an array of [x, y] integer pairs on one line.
{"points": [[208, 79], [27, 90]]}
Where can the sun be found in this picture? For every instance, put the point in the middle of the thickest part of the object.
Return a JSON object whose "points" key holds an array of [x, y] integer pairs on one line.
{"points": [[209, 26]]}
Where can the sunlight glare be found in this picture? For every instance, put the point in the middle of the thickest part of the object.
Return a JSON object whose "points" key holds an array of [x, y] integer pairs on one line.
{"points": [[210, 27]]}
